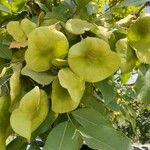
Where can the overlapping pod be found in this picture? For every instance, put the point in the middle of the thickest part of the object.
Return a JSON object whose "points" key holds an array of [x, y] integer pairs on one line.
{"points": [[139, 38], [44, 45], [31, 112]]}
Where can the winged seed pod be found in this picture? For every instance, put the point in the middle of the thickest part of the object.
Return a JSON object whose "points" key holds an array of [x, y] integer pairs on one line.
{"points": [[78, 26], [4, 120], [67, 91], [27, 26], [139, 38], [45, 44], [92, 60], [32, 111], [127, 54], [14, 29]]}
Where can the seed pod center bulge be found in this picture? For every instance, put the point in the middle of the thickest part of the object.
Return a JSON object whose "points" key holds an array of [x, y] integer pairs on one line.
{"points": [[44, 45]]}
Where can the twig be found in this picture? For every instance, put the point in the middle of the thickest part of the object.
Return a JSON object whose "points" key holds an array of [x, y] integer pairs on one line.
{"points": [[114, 4], [139, 11]]}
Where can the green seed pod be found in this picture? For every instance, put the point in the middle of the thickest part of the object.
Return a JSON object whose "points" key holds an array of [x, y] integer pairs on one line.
{"points": [[27, 26], [14, 29], [4, 120], [44, 45], [92, 60], [139, 38]]}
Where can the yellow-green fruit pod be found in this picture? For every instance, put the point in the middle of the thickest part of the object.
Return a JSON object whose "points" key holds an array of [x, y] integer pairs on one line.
{"points": [[78, 26], [14, 29], [127, 54], [92, 60], [27, 26], [15, 87], [4, 120], [32, 111], [62, 101], [44, 45], [139, 38]]}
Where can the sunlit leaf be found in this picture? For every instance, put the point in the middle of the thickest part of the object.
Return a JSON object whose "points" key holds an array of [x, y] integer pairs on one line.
{"points": [[43, 78]]}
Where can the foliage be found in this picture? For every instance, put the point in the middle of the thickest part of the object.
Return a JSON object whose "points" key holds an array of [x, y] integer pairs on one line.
{"points": [[65, 73]]}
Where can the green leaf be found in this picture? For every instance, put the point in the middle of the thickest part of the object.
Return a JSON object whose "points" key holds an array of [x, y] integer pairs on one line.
{"points": [[104, 138], [78, 26], [72, 83], [89, 117], [32, 111], [34, 146], [16, 144], [61, 99], [106, 87], [90, 59], [127, 3], [43, 78], [63, 137], [142, 85], [5, 52]]}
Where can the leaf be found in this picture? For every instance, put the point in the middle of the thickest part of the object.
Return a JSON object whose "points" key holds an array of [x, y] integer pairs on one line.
{"points": [[5, 52], [90, 60], [127, 3], [142, 85], [78, 26], [32, 111], [106, 87], [16, 144], [43, 78], [61, 99], [63, 137], [89, 117], [104, 138], [72, 83], [18, 44]]}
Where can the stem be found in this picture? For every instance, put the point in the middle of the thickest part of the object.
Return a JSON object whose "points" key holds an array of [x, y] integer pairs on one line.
{"points": [[112, 5], [140, 10]]}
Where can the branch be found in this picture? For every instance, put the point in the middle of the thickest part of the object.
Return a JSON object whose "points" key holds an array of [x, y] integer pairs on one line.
{"points": [[140, 10]]}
